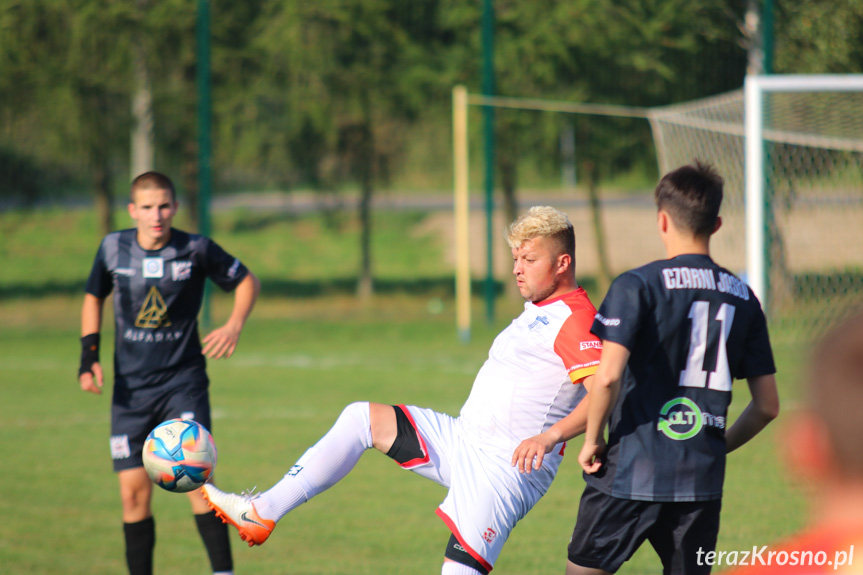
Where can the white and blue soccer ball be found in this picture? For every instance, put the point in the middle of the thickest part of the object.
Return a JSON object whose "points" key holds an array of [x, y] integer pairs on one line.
{"points": [[179, 455]]}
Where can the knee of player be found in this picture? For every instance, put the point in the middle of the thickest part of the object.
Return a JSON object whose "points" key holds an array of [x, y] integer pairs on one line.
{"points": [[134, 499]]}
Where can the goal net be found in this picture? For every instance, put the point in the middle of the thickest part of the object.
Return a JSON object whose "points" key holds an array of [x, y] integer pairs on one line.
{"points": [[793, 211], [790, 149]]}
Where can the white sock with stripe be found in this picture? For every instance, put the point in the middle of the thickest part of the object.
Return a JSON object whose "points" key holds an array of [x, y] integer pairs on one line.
{"points": [[323, 465]]}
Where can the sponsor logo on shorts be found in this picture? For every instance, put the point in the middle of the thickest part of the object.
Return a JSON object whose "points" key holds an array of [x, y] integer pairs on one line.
{"points": [[120, 447], [607, 321], [596, 344]]}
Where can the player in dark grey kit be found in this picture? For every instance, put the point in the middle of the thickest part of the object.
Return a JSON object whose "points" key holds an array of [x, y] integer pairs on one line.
{"points": [[157, 275], [675, 334]]}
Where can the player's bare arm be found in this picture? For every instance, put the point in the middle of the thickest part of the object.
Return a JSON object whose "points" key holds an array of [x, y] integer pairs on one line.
{"points": [[91, 323], [222, 341], [534, 448], [762, 409], [603, 393]]}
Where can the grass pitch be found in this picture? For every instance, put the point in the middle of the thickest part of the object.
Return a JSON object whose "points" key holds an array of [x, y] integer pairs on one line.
{"points": [[300, 361]]}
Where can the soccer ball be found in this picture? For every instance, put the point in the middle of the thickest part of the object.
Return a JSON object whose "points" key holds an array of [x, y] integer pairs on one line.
{"points": [[179, 455]]}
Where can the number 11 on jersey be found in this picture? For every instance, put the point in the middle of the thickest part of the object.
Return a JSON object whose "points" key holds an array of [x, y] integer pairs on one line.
{"points": [[694, 375]]}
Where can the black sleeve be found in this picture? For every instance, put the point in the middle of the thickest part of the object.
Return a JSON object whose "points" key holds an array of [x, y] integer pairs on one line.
{"points": [[225, 270], [100, 283], [622, 311], [758, 358]]}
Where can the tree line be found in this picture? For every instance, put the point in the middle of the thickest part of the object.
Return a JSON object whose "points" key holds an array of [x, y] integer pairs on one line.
{"points": [[334, 94]]}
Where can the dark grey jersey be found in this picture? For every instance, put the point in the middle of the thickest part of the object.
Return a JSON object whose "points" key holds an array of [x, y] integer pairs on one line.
{"points": [[157, 298], [691, 327]]}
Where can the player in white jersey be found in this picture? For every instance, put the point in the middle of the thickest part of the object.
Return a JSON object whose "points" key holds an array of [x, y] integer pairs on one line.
{"points": [[529, 386]]}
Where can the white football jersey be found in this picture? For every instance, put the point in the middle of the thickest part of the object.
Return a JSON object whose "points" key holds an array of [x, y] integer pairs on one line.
{"points": [[528, 382]]}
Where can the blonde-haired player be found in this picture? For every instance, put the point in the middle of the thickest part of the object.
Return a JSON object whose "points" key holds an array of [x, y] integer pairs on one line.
{"points": [[530, 381]]}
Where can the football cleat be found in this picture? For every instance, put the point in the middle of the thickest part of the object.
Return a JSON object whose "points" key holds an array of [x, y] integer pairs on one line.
{"points": [[239, 511]]}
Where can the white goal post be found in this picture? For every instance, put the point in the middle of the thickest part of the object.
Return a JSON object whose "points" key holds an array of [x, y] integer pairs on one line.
{"points": [[755, 88]]}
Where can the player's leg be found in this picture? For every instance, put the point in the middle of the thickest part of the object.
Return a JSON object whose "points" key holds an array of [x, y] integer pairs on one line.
{"points": [[214, 534], [685, 533], [486, 499], [573, 569], [451, 567], [192, 401], [321, 466], [129, 429], [457, 561], [139, 527], [608, 530]]}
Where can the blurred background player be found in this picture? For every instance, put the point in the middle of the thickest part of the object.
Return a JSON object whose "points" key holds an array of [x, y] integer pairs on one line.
{"points": [[157, 275], [823, 449], [525, 386], [675, 333]]}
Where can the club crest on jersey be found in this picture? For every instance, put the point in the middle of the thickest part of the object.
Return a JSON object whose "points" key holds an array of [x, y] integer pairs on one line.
{"points": [[154, 311], [153, 267], [686, 422]]}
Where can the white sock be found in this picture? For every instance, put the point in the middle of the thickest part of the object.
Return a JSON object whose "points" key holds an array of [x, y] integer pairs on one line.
{"points": [[456, 568], [323, 465]]}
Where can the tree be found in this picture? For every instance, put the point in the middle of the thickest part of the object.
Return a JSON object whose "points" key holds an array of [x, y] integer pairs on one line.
{"points": [[818, 37], [354, 73], [79, 102]]}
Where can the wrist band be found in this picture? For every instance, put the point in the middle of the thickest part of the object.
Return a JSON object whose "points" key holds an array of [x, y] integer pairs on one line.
{"points": [[89, 353]]}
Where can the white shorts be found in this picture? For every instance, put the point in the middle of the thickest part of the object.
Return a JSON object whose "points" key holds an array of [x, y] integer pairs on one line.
{"points": [[487, 495]]}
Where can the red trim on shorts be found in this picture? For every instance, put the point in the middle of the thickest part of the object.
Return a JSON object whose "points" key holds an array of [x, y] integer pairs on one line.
{"points": [[449, 523], [417, 461]]}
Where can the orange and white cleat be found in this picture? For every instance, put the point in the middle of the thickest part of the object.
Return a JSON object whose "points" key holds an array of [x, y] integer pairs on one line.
{"points": [[239, 511]]}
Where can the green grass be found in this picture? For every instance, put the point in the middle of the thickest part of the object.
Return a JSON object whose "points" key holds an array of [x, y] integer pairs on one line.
{"points": [[299, 362]]}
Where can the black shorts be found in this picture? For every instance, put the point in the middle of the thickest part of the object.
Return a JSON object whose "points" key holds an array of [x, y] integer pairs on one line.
{"points": [[609, 530], [135, 414]]}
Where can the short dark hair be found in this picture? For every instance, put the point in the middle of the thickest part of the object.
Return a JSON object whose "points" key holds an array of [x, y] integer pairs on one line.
{"points": [[152, 181], [691, 195]]}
